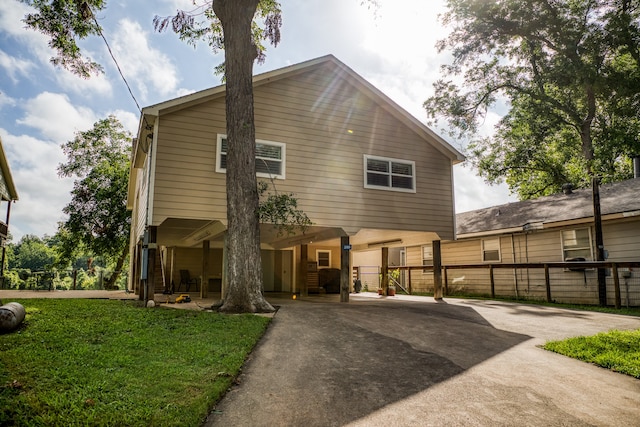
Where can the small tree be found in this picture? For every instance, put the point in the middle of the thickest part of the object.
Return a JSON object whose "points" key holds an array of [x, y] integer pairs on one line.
{"points": [[98, 218]]}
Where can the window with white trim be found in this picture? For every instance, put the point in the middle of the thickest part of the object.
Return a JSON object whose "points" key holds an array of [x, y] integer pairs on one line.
{"points": [[324, 258], [385, 173], [490, 250], [576, 244], [427, 257], [270, 158]]}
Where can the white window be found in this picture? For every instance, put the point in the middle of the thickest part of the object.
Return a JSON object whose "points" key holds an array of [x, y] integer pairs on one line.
{"points": [[323, 258], [427, 257], [270, 158], [576, 244], [389, 174], [491, 250]]}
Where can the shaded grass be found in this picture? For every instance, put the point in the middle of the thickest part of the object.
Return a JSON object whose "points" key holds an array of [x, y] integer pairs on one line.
{"points": [[615, 350], [99, 362]]}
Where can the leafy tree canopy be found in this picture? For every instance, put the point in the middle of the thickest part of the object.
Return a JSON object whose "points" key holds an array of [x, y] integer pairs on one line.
{"points": [[98, 218], [570, 72], [33, 253], [66, 22]]}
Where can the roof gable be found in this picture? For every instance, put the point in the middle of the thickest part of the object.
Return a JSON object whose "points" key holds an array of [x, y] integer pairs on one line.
{"points": [[331, 64], [616, 198]]}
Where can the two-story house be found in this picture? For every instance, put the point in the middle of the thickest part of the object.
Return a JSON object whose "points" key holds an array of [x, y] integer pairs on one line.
{"points": [[360, 166]]}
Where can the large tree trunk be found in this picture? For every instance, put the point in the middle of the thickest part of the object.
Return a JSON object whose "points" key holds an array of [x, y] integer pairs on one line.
{"points": [[118, 269], [245, 289]]}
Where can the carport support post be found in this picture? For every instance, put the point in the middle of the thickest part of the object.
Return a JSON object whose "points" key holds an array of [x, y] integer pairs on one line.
{"points": [[437, 270], [385, 270], [344, 268], [304, 270], [151, 264], [204, 283]]}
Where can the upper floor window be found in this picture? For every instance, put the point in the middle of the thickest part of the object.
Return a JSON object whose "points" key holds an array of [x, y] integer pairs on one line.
{"points": [[576, 244], [491, 250], [270, 158], [389, 174]]}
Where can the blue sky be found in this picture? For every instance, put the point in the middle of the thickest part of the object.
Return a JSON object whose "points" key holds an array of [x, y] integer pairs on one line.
{"points": [[41, 107]]}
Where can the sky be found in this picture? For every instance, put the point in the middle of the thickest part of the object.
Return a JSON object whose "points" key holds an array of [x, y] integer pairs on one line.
{"points": [[42, 107]]}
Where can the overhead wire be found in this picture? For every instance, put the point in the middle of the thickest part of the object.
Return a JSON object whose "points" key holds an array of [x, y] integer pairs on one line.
{"points": [[145, 146]]}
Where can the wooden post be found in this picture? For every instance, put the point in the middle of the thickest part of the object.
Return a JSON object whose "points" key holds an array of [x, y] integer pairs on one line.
{"points": [[547, 282], [597, 220], [409, 273], [151, 263], [445, 280], [616, 283], [344, 268], [437, 270], [493, 283], [75, 278], [204, 283], [385, 270], [304, 267]]}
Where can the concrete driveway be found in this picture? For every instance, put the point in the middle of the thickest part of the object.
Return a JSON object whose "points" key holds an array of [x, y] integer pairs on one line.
{"points": [[410, 361]]}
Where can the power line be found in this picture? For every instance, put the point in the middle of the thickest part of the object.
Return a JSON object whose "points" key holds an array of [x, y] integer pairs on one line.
{"points": [[116, 62]]}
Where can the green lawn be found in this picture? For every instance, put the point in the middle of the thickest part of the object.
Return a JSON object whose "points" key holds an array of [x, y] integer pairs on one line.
{"points": [[615, 350], [96, 363]]}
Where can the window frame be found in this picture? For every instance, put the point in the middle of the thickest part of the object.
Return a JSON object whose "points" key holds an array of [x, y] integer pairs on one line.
{"points": [[484, 250], [563, 249], [282, 160], [323, 251], [390, 187], [427, 260]]}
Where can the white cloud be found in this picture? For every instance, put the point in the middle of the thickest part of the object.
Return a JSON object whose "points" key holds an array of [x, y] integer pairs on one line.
{"points": [[42, 194], [473, 193], [14, 65], [129, 120], [12, 14], [88, 88], [148, 67], [55, 117], [6, 100]]}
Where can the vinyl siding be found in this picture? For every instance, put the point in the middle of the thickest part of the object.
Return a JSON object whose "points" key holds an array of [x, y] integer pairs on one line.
{"points": [[311, 114], [140, 205], [622, 240]]}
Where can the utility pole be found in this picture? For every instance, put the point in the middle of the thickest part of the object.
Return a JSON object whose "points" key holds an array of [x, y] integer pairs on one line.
{"points": [[597, 219]]}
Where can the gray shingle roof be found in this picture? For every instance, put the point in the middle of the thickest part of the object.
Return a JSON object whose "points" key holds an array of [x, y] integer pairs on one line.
{"points": [[618, 197]]}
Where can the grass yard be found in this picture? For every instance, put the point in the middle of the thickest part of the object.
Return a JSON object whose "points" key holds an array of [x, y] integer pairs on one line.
{"points": [[103, 363], [615, 350]]}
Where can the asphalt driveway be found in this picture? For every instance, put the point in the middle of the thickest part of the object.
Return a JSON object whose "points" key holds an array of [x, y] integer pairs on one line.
{"points": [[410, 361]]}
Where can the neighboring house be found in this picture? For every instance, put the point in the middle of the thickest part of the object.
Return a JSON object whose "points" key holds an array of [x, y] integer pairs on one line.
{"points": [[554, 228], [360, 166], [8, 194]]}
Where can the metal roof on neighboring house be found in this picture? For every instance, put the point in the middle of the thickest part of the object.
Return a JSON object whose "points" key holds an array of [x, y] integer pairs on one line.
{"points": [[616, 198]]}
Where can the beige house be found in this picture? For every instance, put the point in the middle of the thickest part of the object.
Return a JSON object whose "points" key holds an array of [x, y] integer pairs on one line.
{"points": [[555, 228], [366, 173]]}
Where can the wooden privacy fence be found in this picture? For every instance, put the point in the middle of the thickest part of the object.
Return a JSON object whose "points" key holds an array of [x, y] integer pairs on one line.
{"points": [[570, 282]]}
